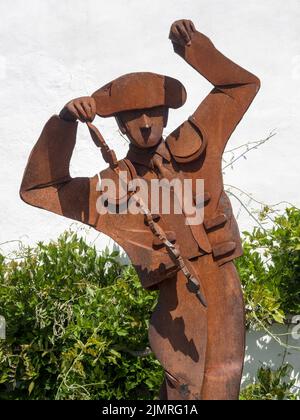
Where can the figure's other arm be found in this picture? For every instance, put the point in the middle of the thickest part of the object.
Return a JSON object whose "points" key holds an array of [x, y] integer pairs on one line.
{"points": [[47, 183], [234, 87]]}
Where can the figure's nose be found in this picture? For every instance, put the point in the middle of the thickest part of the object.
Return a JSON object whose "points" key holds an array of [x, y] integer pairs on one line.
{"points": [[146, 121]]}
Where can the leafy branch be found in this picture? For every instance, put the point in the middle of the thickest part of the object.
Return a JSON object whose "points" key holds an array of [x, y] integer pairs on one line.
{"points": [[245, 149]]}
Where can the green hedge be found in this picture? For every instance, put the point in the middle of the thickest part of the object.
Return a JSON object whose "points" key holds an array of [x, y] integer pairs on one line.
{"points": [[270, 268], [74, 322]]}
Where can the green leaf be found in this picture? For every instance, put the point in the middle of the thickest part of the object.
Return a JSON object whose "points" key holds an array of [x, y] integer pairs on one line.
{"points": [[31, 387]]}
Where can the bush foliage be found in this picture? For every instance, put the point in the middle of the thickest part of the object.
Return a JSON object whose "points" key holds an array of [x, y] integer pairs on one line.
{"points": [[74, 322], [271, 385], [270, 269]]}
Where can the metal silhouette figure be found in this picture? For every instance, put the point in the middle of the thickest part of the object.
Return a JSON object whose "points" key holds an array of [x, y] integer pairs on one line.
{"points": [[197, 330]]}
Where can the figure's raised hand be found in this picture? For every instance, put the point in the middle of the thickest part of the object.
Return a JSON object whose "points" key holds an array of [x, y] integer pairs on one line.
{"points": [[182, 32], [82, 109]]}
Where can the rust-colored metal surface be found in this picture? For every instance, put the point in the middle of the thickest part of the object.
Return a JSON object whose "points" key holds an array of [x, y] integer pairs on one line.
{"points": [[197, 330]]}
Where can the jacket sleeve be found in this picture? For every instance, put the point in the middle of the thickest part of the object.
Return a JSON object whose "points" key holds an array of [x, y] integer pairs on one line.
{"points": [[233, 92], [47, 183]]}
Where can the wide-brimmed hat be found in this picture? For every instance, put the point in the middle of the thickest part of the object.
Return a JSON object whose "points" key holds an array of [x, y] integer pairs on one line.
{"points": [[139, 91]]}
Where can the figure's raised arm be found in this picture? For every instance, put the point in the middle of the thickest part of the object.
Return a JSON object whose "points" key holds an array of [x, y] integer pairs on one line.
{"points": [[47, 183], [234, 87]]}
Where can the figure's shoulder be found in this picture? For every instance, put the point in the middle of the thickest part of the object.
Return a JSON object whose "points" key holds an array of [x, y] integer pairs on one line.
{"points": [[123, 166], [187, 142]]}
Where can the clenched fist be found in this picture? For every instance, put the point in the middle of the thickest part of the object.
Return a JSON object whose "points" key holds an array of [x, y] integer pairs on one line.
{"points": [[82, 109], [182, 32]]}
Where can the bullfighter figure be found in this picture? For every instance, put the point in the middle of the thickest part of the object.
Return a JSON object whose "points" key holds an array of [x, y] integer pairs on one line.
{"points": [[198, 337]]}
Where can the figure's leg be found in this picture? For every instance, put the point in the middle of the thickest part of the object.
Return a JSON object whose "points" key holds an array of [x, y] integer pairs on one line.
{"points": [[226, 334], [177, 334]]}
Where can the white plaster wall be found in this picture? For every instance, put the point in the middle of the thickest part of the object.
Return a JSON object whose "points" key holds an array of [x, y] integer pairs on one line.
{"points": [[275, 347], [54, 50]]}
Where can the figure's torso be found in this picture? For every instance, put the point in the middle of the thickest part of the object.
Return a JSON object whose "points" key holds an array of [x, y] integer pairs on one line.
{"points": [[218, 234]]}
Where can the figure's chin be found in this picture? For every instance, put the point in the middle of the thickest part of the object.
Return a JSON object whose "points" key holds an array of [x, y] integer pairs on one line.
{"points": [[150, 145], [147, 144]]}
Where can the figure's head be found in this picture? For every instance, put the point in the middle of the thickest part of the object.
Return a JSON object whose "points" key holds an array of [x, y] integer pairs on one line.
{"points": [[144, 128], [140, 102]]}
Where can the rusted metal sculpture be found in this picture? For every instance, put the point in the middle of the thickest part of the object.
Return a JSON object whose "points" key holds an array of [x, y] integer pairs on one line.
{"points": [[197, 330]]}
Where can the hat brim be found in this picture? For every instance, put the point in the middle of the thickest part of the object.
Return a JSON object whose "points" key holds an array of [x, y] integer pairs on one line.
{"points": [[139, 91]]}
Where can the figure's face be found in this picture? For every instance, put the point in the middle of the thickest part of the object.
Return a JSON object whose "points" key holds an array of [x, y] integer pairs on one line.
{"points": [[144, 128]]}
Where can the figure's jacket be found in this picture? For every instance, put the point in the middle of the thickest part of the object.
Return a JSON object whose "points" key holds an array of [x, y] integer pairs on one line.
{"points": [[193, 151]]}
